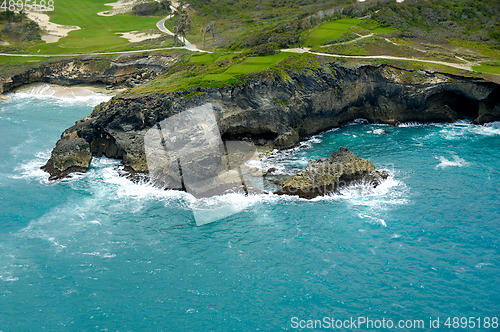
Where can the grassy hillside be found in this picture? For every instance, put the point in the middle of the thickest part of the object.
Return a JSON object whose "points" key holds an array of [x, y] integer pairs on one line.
{"points": [[463, 35]]}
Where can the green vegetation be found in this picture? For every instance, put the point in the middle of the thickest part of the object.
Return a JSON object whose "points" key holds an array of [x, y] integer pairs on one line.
{"points": [[330, 31], [152, 8], [488, 67], [17, 28], [249, 65], [245, 37], [185, 75], [204, 58], [14, 65], [97, 33]]}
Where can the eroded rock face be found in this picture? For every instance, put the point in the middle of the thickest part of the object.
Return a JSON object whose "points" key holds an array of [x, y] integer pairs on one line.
{"points": [[279, 113], [327, 175], [69, 156], [128, 71]]}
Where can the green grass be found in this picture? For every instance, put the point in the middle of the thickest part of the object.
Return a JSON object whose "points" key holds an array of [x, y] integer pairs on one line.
{"points": [[186, 75], [485, 67], [330, 31], [204, 58], [229, 56], [97, 33], [249, 65], [15, 64]]}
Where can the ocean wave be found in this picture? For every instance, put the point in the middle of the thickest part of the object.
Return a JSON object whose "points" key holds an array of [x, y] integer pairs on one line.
{"points": [[30, 169], [494, 125], [373, 219], [413, 124], [64, 96], [457, 161]]}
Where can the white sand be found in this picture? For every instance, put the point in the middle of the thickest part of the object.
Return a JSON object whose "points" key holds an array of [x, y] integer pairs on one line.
{"points": [[60, 91], [136, 36], [119, 7], [54, 31]]}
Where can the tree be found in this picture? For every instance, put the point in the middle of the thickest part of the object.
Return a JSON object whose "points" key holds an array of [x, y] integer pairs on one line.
{"points": [[183, 25], [210, 27]]}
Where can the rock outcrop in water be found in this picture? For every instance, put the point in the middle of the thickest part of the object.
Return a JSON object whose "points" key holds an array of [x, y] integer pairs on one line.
{"points": [[328, 175], [278, 113]]}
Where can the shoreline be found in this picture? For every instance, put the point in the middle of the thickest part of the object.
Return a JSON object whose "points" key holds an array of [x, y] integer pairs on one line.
{"points": [[65, 91]]}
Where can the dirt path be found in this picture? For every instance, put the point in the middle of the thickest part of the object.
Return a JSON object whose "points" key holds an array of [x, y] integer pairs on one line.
{"points": [[350, 41], [467, 66], [291, 50]]}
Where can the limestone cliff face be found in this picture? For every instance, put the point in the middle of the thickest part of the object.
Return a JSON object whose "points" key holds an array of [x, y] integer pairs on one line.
{"points": [[279, 113], [122, 71]]}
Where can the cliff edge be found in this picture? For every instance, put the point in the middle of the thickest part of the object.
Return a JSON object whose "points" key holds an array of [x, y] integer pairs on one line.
{"points": [[278, 112]]}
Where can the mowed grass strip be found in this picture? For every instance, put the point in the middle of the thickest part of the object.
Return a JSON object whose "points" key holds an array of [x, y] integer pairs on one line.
{"points": [[488, 68], [330, 31], [249, 65], [204, 58], [97, 33]]}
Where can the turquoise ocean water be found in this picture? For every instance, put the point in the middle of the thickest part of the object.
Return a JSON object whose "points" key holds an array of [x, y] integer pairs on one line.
{"points": [[99, 253]]}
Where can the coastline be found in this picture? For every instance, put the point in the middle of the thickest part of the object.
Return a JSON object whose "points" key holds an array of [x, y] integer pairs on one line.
{"points": [[63, 91]]}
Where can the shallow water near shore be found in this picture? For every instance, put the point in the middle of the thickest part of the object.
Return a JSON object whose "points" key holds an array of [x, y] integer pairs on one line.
{"points": [[98, 252]]}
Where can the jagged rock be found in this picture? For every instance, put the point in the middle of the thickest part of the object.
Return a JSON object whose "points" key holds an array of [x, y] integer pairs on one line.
{"points": [[69, 156], [317, 100], [328, 175], [89, 70]]}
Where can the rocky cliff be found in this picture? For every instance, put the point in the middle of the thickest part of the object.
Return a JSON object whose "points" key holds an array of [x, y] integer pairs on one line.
{"points": [[278, 112], [125, 70]]}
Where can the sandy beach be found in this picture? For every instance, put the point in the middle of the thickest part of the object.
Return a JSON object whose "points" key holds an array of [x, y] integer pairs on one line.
{"points": [[61, 91]]}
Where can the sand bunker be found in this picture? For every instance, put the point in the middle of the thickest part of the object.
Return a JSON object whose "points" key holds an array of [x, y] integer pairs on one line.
{"points": [[136, 36], [54, 31], [119, 7]]}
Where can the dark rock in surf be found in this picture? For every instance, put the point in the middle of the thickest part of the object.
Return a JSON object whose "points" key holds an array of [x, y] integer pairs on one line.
{"points": [[328, 175]]}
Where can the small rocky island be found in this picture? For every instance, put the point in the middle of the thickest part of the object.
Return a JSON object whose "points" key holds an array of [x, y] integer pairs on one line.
{"points": [[328, 175]]}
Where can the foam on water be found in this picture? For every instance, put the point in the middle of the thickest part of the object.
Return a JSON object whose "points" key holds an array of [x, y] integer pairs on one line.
{"points": [[30, 169], [103, 252], [412, 124], [494, 125], [457, 161], [62, 96]]}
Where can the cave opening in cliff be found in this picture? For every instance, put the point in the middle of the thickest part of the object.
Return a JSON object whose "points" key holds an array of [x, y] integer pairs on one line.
{"points": [[257, 138], [462, 106]]}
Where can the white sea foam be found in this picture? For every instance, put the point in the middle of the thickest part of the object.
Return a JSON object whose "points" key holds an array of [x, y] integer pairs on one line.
{"points": [[378, 131], [412, 124], [373, 220], [59, 95], [30, 169], [457, 161], [466, 130], [494, 125], [481, 265]]}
